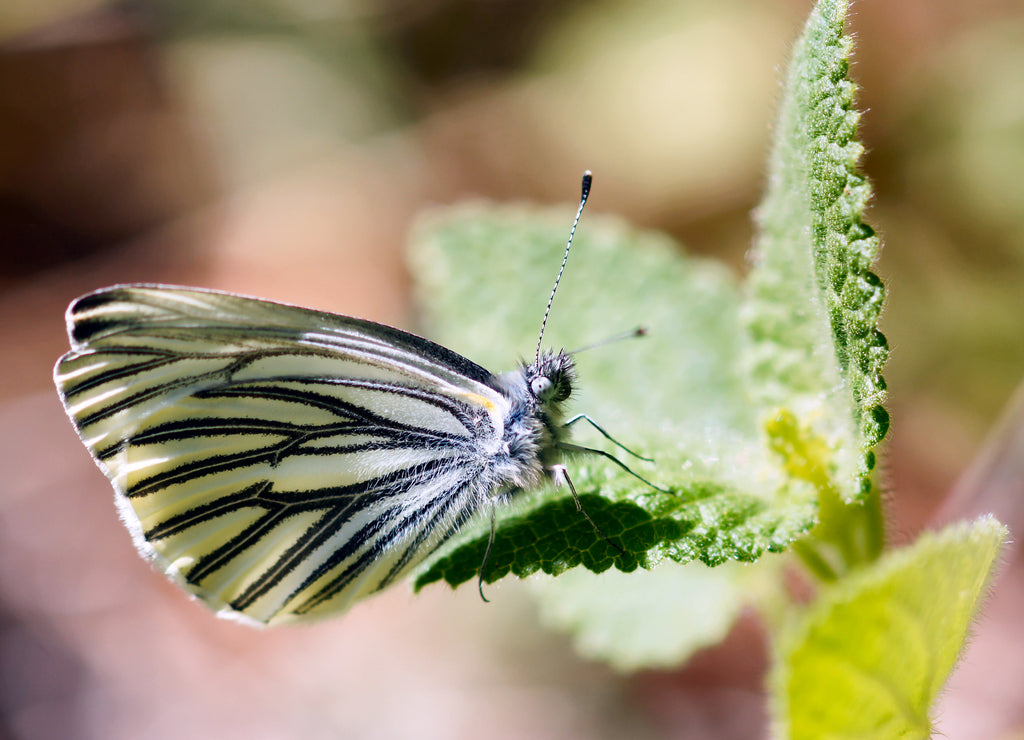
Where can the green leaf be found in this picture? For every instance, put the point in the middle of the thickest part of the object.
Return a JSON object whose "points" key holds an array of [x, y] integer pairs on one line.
{"points": [[872, 653], [684, 608], [811, 287], [676, 395], [847, 534]]}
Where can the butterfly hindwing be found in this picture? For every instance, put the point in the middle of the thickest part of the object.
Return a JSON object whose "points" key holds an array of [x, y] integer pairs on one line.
{"points": [[278, 462]]}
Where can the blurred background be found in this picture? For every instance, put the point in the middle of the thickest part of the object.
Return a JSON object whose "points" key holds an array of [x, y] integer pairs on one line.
{"points": [[282, 148]]}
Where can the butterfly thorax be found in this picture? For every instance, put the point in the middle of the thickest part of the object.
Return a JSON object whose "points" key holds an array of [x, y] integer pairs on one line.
{"points": [[535, 421]]}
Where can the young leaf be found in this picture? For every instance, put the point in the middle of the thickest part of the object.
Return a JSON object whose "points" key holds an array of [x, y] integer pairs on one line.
{"points": [[813, 302], [870, 656], [675, 395]]}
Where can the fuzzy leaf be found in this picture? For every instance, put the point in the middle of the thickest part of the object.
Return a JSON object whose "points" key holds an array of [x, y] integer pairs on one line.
{"points": [[684, 608], [870, 656], [811, 287]]}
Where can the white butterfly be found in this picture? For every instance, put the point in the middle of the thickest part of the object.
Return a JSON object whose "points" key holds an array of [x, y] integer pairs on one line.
{"points": [[281, 463]]}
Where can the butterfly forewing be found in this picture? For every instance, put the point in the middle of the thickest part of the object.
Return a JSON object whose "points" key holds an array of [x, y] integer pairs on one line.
{"points": [[278, 462]]}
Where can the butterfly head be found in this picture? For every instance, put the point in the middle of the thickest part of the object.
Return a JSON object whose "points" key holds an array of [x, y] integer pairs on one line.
{"points": [[551, 377]]}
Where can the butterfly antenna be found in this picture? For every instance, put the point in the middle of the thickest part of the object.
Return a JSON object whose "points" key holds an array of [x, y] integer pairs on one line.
{"points": [[588, 178], [640, 331]]}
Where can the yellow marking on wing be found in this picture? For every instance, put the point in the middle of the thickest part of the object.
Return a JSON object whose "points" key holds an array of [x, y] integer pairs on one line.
{"points": [[481, 400]]}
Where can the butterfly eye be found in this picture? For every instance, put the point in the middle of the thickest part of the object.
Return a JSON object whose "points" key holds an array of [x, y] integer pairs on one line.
{"points": [[541, 386]]}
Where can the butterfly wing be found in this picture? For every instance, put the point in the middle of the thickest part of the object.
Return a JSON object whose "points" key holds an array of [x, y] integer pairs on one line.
{"points": [[277, 462]]}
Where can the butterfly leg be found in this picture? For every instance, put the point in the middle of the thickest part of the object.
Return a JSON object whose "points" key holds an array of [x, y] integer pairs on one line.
{"points": [[487, 553], [607, 436], [490, 541], [560, 476], [566, 447]]}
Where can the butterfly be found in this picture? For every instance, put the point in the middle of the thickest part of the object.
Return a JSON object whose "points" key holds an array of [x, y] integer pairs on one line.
{"points": [[281, 463]]}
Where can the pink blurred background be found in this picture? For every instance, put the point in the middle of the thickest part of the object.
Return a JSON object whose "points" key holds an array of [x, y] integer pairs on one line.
{"points": [[283, 148]]}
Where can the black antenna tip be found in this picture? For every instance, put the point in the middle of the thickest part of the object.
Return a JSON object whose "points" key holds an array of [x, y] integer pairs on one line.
{"points": [[587, 179]]}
